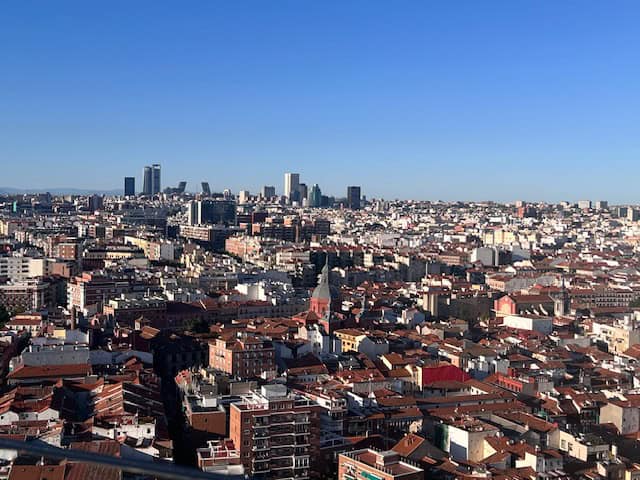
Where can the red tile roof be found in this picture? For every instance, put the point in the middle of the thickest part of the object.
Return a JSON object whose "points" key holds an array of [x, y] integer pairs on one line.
{"points": [[50, 371], [408, 444], [37, 472]]}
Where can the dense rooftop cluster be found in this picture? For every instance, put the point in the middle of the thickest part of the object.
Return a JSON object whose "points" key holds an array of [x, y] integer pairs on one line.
{"points": [[255, 337]]}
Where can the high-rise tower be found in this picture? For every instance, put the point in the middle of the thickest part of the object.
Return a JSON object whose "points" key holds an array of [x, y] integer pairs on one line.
{"points": [[268, 191], [147, 181], [291, 186], [353, 197], [315, 196], [155, 179], [129, 186]]}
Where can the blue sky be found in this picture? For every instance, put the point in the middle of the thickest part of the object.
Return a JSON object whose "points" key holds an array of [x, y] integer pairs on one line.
{"points": [[503, 100]]}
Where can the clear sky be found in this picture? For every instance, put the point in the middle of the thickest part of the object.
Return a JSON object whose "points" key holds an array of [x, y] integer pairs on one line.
{"points": [[478, 99]]}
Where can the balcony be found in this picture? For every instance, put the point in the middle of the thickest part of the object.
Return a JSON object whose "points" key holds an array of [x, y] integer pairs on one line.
{"points": [[282, 452], [280, 432], [261, 467], [281, 429], [282, 419], [283, 443], [282, 464]]}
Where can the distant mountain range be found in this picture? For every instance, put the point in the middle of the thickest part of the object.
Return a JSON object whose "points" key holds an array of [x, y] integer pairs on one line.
{"points": [[59, 191]]}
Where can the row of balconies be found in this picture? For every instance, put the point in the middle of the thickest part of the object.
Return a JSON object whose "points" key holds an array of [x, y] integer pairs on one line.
{"points": [[285, 427], [284, 439], [290, 443], [299, 453], [297, 463], [282, 452], [265, 433]]}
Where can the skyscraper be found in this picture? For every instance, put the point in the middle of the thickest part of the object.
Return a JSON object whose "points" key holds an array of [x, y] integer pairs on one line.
{"points": [[147, 181], [243, 196], [291, 185], [201, 212], [315, 196], [179, 190], [302, 192], [268, 191], [206, 190], [129, 186], [353, 197], [193, 212], [155, 179], [95, 202]]}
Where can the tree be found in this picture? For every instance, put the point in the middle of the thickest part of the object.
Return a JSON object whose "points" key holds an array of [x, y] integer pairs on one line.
{"points": [[196, 326], [4, 315], [635, 303], [201, 326]]}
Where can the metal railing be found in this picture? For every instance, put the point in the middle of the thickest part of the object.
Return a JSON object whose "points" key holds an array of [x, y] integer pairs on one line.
{"points": [[157, 469]]}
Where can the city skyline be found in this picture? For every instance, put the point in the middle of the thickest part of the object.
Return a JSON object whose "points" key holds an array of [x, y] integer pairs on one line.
{"points": [[195, 187], [280, 190], [290, 240], [423, 102]]}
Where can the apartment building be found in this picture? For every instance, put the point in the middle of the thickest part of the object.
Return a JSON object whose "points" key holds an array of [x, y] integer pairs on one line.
{"points": [[619, 335], [353, 340], [603, 297], [91, 289], [369, 464], [28, 295], [154, 249], [22, 268], [277, 433], [242, 357]]}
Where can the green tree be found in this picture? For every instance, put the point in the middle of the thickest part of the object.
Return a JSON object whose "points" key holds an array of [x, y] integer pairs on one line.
{"points": [[4, 315]]}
